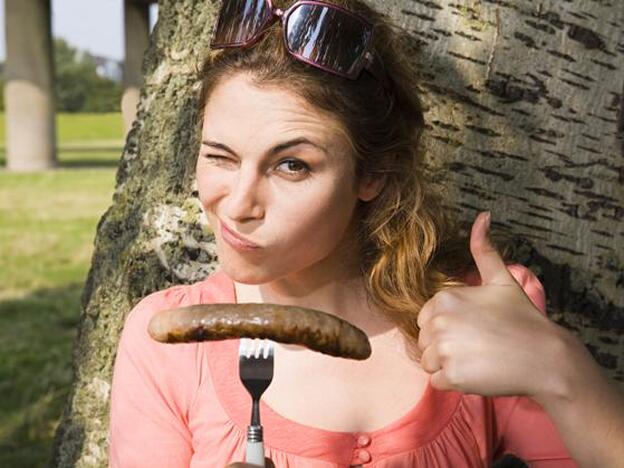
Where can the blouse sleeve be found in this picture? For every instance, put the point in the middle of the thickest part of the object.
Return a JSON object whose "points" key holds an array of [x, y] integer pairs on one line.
{"points": [[525, 430], [149, 402]]}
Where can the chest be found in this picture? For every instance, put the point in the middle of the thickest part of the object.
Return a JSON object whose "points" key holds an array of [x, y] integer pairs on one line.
{"points": [[343, 395]]}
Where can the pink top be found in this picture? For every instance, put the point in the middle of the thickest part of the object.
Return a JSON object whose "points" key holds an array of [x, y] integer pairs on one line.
{"points": [[184, 405]]}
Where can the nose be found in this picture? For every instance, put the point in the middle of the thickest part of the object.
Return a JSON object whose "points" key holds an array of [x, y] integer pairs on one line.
{"points": [[243, 200]]}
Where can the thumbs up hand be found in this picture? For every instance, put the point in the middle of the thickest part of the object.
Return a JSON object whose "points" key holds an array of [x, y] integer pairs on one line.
{"points": [[488, 339]]}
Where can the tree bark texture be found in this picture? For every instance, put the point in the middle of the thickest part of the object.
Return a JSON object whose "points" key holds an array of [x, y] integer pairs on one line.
{"points": [[525, 111]]}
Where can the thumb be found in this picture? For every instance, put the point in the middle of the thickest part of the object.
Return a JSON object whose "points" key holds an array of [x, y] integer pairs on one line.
{"points": [[489, 262]]}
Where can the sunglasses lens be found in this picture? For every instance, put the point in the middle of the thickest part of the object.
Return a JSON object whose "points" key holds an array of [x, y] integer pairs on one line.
{"points": [[239, 21], [327, 37]]}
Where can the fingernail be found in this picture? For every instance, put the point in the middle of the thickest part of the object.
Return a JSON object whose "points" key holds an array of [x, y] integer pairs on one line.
{"points": [[488, 218]]}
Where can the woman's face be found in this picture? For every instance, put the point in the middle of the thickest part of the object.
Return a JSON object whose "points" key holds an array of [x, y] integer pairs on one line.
{"points": [[278, 174]]}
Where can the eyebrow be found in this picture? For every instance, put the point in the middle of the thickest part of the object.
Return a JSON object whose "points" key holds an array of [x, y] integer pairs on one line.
{"points": [[276, 149]]}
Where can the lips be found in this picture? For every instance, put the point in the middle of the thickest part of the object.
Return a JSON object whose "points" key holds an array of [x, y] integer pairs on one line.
{"points": [[236, 240]]}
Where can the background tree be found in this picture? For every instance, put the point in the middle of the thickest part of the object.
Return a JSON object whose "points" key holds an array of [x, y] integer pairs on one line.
{"points": [[79, 88], [525, 112]]}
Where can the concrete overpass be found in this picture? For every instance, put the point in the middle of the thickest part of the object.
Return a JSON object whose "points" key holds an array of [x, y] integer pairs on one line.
{"points": [[29, 74]]}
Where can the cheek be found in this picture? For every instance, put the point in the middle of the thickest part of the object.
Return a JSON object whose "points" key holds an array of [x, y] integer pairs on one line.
{"points": [[209, 186], [321, 217]]}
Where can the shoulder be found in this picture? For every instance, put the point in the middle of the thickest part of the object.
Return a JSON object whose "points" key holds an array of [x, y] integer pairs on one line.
{"points": [[141, 358], [528, 280], [164, 379]]}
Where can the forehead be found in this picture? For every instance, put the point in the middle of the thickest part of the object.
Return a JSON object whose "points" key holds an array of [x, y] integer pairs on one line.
{"points": [[238, 109]]}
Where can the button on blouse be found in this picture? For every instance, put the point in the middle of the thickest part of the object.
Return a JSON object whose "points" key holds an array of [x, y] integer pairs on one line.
{"points": [[363, 455], [363, 440]]}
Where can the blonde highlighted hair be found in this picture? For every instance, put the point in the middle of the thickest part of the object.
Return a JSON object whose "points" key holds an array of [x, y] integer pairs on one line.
{"points": [[410, 245]]}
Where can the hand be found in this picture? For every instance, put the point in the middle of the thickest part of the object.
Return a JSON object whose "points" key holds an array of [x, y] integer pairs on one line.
{"points": [[488, 339]]}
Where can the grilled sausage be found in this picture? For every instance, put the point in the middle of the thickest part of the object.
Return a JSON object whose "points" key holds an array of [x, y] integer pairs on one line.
{"points": [[314, 329]]}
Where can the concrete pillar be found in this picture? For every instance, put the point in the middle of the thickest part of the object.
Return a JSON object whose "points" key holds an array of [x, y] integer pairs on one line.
{"points": [[136, 29], [29, 89]]}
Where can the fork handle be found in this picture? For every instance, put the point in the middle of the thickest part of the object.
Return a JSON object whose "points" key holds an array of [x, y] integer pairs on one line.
{"points": [[255, 453]]}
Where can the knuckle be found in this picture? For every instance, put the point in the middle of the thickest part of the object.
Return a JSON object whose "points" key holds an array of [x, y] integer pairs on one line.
{"points": [[424, 313], [439, 323], [421, 319], [438, 382], [428, 361], [428, 366], [453, 375], [445, 349], [422, 340], [445, 297]]}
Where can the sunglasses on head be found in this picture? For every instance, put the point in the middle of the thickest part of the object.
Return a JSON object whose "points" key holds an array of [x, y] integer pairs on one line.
{"points": [[320, 34]]}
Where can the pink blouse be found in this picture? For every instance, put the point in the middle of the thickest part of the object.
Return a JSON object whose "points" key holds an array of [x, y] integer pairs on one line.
{"points": [[183, 405]]}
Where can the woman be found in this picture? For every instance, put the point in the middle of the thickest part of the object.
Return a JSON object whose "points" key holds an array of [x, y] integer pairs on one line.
{"points": [[312, 177]]}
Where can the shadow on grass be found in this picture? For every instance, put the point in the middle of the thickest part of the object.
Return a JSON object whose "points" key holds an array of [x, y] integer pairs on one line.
{"points": [[37, 333]]}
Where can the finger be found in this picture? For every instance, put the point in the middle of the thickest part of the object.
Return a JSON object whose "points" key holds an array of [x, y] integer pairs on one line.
{"points": [[430, 360], [489, 262], [440, 382], [426, 312], [425, 338]]}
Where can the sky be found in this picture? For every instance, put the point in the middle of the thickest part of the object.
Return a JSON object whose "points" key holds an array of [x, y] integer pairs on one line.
{"points": [[93, 25]]}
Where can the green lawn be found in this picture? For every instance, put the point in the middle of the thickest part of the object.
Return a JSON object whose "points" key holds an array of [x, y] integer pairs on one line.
{"points": [[47, 228], [84, 140], [83, 127]]}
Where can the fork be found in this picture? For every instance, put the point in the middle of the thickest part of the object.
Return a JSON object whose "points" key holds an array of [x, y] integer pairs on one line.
{"points": [[255, 366]]}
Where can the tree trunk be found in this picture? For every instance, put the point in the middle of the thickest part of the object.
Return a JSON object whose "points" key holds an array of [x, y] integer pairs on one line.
{"points": [[525, 110]]}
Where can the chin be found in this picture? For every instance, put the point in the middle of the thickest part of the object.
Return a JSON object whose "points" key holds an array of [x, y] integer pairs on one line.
{"points": [[247, 274]]}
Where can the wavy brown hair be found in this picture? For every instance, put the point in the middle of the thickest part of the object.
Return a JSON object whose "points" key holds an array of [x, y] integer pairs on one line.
{"points": [[410, 245]]}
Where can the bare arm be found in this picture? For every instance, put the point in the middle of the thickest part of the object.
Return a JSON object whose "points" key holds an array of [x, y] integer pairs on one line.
{"points": [[585, 406]]}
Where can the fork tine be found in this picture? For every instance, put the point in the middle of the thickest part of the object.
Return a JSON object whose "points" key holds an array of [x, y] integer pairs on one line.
{"points": [[258, 348], [268, 349], [249, 347], [265, 348], [245, 346]]}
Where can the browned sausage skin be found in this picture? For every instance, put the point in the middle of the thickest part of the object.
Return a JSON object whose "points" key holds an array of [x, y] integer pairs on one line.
{"points": [[314, 329]]}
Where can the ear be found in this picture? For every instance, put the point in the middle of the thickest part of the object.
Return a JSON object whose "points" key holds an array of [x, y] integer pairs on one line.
{"points": [[370, 186]]}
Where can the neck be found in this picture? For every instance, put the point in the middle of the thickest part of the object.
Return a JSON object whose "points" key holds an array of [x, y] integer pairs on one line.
{"points": [[338, 290]]}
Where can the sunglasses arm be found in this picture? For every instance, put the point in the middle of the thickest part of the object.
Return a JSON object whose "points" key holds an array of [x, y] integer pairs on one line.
{"points": [[375, 68]]}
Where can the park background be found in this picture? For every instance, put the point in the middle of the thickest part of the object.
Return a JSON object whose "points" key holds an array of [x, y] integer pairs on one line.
{"points": [[48, 222]]}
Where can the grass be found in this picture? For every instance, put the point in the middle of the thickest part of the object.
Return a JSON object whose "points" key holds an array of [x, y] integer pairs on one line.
{"points": [[83, 127], [47, 227], [89, 127], [83, 140]]}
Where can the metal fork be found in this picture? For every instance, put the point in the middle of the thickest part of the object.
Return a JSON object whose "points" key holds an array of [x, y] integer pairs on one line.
{"points": [[255, 366]]}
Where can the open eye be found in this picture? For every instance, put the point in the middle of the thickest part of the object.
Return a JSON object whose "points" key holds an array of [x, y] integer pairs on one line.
{"points": [[294, 167]]}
